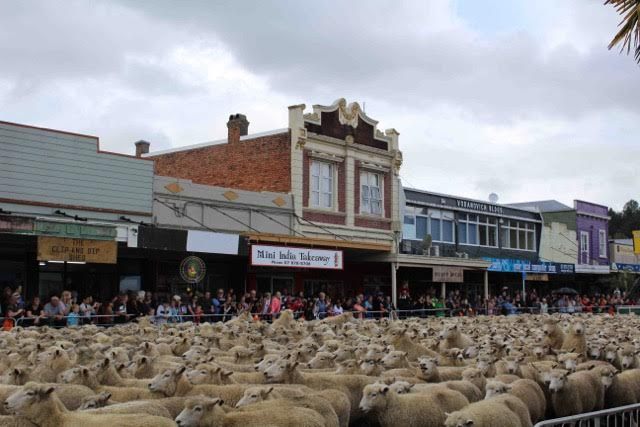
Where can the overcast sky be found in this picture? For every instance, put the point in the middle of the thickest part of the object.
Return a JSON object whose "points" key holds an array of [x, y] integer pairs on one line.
{"points": [[515, 97]]}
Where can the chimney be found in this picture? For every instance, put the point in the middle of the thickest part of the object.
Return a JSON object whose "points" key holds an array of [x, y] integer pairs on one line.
{"points": [[238, 126], [142, 147]]}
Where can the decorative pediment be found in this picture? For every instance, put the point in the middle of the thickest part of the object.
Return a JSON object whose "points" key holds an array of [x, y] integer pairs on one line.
{"points": [[346, 121]]}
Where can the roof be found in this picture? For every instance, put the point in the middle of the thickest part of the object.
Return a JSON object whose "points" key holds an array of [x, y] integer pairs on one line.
{"points": [[542, 206], [217, 142], [626, 242]]}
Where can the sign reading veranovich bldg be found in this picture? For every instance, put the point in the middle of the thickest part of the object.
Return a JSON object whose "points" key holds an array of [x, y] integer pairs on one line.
{"points": [[284, 256]]}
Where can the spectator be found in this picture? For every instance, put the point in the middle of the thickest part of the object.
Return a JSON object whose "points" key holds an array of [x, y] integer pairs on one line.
{"points": [[544, 307], [88, 308], [73, 318], [358, 307], [320, 306], [243, 305], [206, 303], [197, 314], [54, 310], [14, 311], [121, 308], [337, 307], [106, 314], [163, 312], [174, 309], [66, 301], [228, 309], [404, 300], [218, 301], [276, 305], [35, 313]]}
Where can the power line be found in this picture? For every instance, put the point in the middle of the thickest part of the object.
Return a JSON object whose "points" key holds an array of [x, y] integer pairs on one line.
{"points": [[320, 227], [280, 223]]}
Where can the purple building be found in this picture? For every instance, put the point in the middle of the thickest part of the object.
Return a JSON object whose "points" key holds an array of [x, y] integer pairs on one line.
{"points": [[592, 230]]}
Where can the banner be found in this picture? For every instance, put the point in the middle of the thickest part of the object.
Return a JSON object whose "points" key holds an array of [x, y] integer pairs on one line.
{"points": [[506, 265], [448, 274], [77, 250], [284, 256]]}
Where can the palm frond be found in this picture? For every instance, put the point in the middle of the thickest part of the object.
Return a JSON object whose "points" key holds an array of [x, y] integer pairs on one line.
{"points": [[629, 34]]}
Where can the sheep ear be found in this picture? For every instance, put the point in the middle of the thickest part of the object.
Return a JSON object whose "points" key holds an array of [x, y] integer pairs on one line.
{"points": [[411, 386], [269, 390], [45, 391], [469, 422], [85, 371], [384, 390], [180, 370]]}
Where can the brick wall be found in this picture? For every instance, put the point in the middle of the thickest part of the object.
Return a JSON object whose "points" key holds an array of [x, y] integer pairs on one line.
{"points": [[260, 164], [326, 217]]}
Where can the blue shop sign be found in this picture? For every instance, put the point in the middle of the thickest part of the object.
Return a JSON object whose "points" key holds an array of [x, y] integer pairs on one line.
{"points": [[506, 265], [632, 268]]}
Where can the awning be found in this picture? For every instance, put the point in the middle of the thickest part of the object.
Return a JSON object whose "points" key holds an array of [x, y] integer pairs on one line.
{"points": [[421, 261], [311, 242]]}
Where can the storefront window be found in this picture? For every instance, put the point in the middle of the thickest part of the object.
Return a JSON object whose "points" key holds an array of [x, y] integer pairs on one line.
{"points": [[478, 230], [519, 235]]}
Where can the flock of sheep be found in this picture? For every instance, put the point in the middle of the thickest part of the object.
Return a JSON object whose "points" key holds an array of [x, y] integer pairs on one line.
{"points": [[456, 372]]}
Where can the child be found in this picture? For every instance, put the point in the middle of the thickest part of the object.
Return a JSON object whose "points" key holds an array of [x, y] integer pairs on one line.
{"points": [[198, 314], [73, 318]]}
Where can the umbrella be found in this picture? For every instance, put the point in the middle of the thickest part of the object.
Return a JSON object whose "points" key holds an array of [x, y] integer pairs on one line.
{"points": [[566, 291]]}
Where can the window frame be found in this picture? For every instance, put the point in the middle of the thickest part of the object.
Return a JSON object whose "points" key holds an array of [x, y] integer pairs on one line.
{"points": [[365, 176], [333, 171], [585, 247], [518, 227], [602, 243], [488, 222], [441, 215]]}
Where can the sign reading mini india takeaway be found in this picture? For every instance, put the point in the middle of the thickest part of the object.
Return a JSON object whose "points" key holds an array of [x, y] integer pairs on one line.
{"points": [[77, 250], [282, 256]]}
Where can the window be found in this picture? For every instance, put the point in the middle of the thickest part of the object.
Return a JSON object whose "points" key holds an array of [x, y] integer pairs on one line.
{"points": [[602, 243], [321, 184], [419, 222], [519, 235], [370, 194], [479, 230], [584, 247]]}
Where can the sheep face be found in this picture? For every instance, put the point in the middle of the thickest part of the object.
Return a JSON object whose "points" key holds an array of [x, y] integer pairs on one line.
{"points": [[195, 409], [557, 380], [569, 360], [266, 362], [495, 388], [201, 376], [449, 332], [594, 352], [485, 362], [368, 366], [73, 375], [254, 395], [394, 359], [166, 382], [193, 354], [549, 329], [428, 365], [95, 401], [610, 353], [278, 371], [374, 396], [606, 377], [30, 394], [322, 360], [627, 358], [401, 387]]}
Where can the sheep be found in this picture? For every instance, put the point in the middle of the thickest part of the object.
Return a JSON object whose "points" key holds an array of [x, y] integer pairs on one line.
{"points": [[621, 388], [16, 376], [285, 371], [322, 360], [475, 377], [149, 407], [395, 359], [420, 409], [57, 360], [338, 400], [82, 376], [40, 405], [526, 390], [208, 412], [554, 337], [485, 413], [575, 393], [451, 337], [400, 341], [570, 360], [15, 421], [429, 371], [575, 341], [468, 390]]}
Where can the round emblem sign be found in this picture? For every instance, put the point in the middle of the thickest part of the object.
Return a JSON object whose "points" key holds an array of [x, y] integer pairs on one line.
{"points": [[192, 269]]}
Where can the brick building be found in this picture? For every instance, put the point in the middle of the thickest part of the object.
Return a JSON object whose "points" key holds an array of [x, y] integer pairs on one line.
{"points": [[342, 174]]}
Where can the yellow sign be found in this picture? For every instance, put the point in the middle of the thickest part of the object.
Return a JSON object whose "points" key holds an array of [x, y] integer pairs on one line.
{"points": [[537, 277], [636, 242], [77, 250]]}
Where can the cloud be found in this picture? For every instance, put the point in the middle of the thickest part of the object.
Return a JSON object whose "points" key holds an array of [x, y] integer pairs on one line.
{"points": [[522, 100]]}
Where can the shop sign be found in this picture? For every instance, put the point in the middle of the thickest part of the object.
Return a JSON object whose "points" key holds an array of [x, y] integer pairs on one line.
{"points": [[75, 230], [593, 269], [506, 265], [448, 274], [16, 224], [193, 269], [636, 242], [284, 256], [77, 250], [537, 277], [632, 268], [479, 206]]}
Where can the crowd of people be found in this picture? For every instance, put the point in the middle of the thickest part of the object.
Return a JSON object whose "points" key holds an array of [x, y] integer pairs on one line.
{"points": [[68, 309]]}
